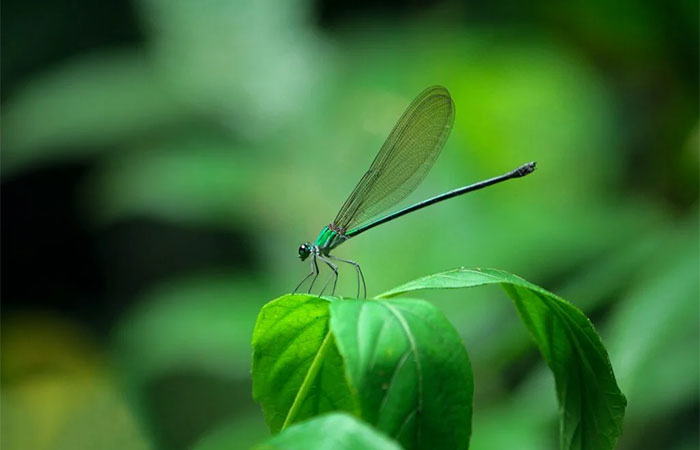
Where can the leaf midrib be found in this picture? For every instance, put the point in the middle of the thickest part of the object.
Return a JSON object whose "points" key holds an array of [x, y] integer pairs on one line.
{"points": [[414, 349], [308, 380]]}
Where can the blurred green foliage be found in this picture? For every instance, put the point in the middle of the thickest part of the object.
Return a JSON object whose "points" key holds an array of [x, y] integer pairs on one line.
{"points": [[251, 118]]}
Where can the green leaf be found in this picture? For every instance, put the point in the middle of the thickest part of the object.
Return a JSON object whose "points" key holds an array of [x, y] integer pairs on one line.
{"points": [[410, 370], [297, 371], [398, 363], [592, 406], [331, 431]]}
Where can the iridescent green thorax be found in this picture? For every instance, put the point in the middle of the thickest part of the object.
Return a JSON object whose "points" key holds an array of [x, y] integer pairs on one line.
{"points": [[328, 239]]}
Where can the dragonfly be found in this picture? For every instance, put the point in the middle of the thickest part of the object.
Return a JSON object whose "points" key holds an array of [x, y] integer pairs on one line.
{"points": [[402, 163]]}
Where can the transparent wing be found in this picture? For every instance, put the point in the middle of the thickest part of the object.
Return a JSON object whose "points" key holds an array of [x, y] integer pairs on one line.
{"points": [[404, 160]]}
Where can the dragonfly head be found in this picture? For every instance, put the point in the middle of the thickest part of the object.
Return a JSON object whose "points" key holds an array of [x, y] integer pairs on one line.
{"points": [[304, 250]]}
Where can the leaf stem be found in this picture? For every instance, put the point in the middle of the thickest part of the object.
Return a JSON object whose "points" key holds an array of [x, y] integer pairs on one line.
{"points": [[308, 380]]}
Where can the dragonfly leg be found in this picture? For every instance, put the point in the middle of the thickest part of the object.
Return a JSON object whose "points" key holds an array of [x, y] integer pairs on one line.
{"points": [[360, 276], [305, 278], [314, 267], [334, 275]]}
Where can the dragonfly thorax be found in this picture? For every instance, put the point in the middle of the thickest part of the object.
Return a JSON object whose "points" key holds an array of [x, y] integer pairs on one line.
{"points": [[329, 238]]}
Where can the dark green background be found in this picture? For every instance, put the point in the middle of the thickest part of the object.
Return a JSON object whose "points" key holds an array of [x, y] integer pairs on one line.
{"points": [[162, 161]]}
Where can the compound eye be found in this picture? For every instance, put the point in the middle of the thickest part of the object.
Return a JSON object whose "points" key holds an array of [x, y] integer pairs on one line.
{"points": [[304, 251]]}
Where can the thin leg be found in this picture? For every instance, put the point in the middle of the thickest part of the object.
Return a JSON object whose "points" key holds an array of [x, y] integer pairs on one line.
{"points": [[314, 265], [305, 278], [334, 275], [360, 276]]}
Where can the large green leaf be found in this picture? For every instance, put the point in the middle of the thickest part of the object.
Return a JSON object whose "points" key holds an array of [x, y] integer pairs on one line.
{"points": [[592, 406], [297, 371], [397, 363], [410, 370], [331, 431]]}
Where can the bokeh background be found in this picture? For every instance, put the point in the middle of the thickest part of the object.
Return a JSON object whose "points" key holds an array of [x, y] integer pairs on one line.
{"points": [[162, 160]]}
